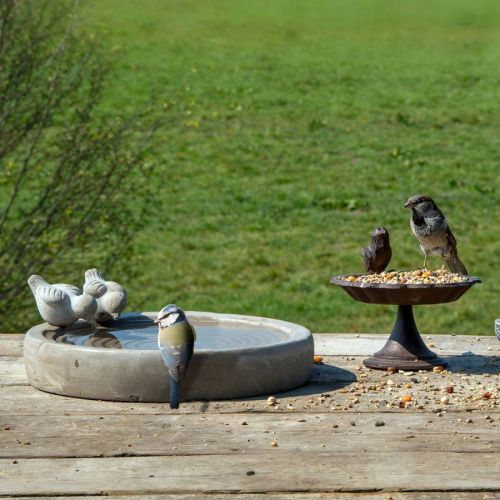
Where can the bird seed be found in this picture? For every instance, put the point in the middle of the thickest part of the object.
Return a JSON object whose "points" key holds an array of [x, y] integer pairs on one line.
{"points": [[418, 277]]}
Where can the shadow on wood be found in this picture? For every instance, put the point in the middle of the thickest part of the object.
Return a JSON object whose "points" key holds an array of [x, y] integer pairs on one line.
{"points": [[477, 364]]}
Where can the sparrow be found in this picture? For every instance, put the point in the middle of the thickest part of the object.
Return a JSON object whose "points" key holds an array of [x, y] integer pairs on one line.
{"points": [[111, 299], [176, 339], [62, 304], [429, 225], [377, 255]]}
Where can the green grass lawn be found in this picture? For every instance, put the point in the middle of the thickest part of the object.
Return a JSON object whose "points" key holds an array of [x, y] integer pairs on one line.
{"points": [[296, 127]]}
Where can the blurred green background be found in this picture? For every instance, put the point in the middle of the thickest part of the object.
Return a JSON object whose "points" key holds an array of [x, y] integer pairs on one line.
{"points": [[296, 127]]}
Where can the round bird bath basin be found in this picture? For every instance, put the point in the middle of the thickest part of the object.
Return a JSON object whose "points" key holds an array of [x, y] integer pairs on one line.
{"points": [[234, 357], [405, 349]]}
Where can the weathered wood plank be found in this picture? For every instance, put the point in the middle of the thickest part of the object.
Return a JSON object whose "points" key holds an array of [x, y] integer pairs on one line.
{"points": [[343, 344], [11, 344], [12, 371], [341, 379], [24, 400], [268, 472], [385, 495], [195, 434]]}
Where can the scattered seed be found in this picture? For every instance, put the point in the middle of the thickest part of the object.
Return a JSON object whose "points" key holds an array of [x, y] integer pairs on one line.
{"points": [[418, 276]]}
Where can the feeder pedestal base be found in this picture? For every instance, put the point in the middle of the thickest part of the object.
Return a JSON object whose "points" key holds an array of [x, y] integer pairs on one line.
{"points": [[405, 349]]}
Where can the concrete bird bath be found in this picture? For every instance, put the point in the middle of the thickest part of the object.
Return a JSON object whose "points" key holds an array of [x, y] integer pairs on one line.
{"points": [[235, 356]]}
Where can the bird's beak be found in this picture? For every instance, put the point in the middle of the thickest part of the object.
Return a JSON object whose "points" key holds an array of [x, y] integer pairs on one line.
{"points": [[115, 316], [407, 205]]}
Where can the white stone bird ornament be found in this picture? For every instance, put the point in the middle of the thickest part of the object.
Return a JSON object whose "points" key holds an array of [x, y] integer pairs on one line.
{"points": [[112, 299], [62, 304], [176, 339]]}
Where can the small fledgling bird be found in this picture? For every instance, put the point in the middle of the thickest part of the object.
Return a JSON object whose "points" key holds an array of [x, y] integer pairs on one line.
{"points": [[62, 304], [112, 297], [377, 255], [430, 227], [176, 339]]}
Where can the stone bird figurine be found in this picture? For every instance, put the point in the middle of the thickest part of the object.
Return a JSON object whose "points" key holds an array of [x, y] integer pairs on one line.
{"points": [[176, 342], [62, 304], [377, 255], [430, 227], [112, 299]]}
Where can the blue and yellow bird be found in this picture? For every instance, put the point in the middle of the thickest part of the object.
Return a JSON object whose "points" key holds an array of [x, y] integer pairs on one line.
{"points": [[176, 342]]}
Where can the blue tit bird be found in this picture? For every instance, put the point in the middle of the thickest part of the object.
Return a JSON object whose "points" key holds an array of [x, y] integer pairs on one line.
{"points": [[176, 339]]}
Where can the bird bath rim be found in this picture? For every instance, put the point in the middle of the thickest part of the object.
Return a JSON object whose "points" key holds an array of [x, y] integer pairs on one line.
{"points": [[294, 331]]}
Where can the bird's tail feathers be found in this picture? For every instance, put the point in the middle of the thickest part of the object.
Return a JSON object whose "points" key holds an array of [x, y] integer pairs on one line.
{"points": [[174, 393], [456, 265], [93, 274], [35, 281], [94, 287]]}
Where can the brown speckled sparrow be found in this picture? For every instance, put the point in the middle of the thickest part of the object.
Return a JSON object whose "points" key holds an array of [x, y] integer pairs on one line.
{"points": [[377, 255], [430, 227]]}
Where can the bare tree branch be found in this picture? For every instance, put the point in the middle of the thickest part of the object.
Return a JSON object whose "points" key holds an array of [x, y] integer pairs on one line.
{"points": [[71, 177]]}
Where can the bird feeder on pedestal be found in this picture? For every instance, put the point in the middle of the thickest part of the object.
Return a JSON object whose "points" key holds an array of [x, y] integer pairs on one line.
{"points": [[405, 348]]}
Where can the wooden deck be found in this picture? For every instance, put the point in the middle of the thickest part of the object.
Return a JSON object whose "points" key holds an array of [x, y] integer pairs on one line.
{"points": [[343, 433]]}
